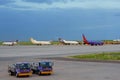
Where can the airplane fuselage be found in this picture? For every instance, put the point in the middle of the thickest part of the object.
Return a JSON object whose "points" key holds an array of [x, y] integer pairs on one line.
{"points": [[9, 43], [70, 42], [92, 43], [40, 42]]}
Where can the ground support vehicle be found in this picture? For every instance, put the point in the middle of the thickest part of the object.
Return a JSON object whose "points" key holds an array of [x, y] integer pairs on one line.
{"points": [[20, 69], [42, 68]]}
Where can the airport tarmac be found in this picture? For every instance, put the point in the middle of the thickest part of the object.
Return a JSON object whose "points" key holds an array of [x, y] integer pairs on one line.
{"points": [[63, 70], [54, 50]]}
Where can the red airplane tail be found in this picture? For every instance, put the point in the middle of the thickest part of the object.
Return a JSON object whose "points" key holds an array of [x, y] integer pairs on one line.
{"points": [[84, 39]]}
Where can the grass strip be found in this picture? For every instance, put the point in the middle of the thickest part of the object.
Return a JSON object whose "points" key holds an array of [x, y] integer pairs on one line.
{"points": [[99, 56]]}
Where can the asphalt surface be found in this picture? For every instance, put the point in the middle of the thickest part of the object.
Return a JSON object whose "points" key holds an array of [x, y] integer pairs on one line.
{"points": [[63, 69], [51, 50]]}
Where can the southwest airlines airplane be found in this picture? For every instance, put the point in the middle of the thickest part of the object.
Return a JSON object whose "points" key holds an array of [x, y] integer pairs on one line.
{"points": [[92, 43]]}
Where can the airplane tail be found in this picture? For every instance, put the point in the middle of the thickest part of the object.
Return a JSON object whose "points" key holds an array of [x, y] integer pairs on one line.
{"points": [[84, 39], [60, 40], [32, 40]]}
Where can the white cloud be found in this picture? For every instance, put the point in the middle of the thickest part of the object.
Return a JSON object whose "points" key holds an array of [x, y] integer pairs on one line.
{"points": [[83, 4]]}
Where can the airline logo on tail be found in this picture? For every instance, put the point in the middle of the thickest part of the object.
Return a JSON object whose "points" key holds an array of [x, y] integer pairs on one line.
{"points": [[84, 39]]}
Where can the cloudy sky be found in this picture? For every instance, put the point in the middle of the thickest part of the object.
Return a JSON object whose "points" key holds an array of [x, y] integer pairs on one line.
{"points": [[51, 19]]}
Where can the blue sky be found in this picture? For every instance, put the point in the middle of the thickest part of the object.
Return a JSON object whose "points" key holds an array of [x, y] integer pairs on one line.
{"points": [[51, 19]]}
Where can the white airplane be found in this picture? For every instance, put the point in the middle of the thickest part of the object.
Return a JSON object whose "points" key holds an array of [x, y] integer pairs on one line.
{"points": [[69, 42], [10, 43], [39, 42], [117, 40]]}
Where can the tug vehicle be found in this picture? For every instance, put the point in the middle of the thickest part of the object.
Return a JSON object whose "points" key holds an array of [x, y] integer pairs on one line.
{"points": [[42, 68], [20, 69]]}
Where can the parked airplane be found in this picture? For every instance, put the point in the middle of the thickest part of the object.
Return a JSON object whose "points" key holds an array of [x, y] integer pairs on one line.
{"points": [[39, 42], [10, 43], [68, 42], [116, 40], [92, 43]]}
